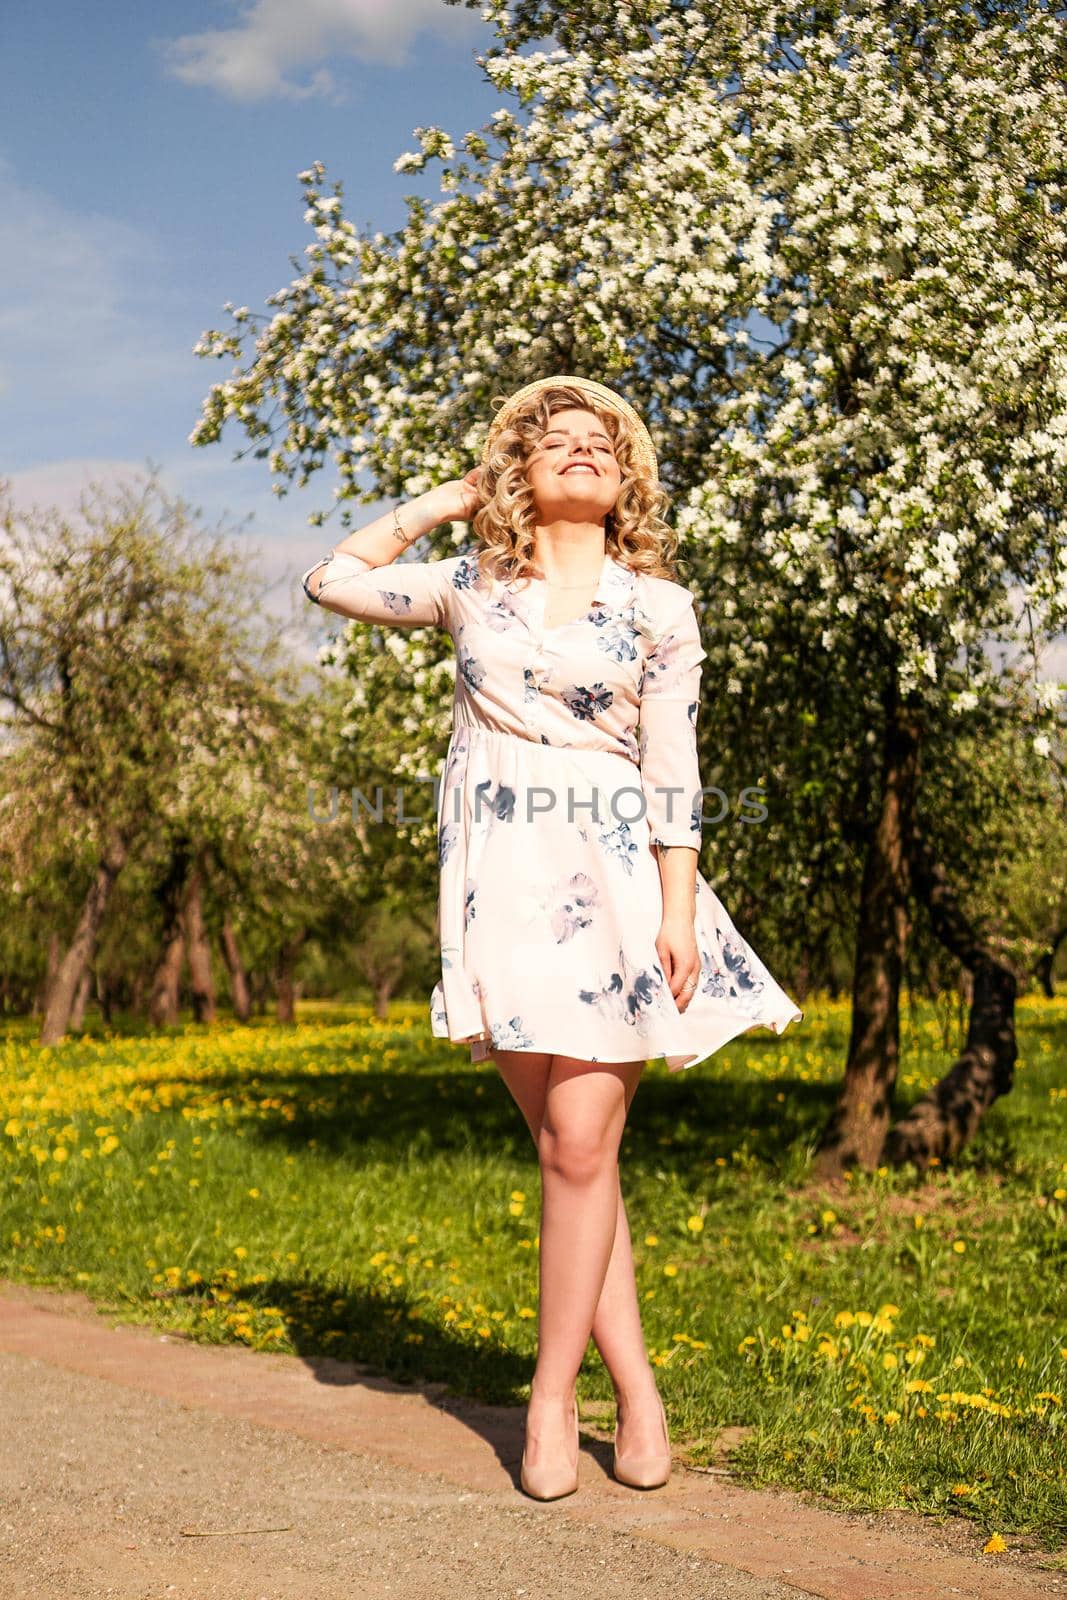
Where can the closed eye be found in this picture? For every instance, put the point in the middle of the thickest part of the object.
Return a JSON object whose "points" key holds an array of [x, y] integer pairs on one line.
{"points": [[555, 444]]}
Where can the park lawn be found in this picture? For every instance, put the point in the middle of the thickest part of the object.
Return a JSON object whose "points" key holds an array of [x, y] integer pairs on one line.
{"points": [[355, 1188]]}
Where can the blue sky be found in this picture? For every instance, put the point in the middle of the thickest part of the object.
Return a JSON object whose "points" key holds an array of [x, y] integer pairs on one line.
{"points": [[148, 174]]}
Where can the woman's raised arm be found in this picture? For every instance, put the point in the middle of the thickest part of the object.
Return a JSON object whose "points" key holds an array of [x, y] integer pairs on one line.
{"points": [[359, 579]]}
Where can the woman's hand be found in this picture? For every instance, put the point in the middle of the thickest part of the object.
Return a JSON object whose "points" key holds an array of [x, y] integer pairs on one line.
{"points": [[676, 946], [459, 498]]}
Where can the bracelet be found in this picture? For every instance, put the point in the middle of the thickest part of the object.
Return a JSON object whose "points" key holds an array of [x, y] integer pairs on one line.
{"points": [[398, 531]]}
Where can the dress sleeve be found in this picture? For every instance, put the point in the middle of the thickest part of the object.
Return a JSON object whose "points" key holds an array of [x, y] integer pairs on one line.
{"points": [[670, 699], [401, 594]]}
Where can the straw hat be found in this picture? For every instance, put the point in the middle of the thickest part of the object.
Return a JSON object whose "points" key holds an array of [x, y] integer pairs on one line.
{"points": [[644, 450]]}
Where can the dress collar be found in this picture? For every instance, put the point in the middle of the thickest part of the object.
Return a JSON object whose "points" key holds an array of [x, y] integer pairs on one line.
{"points": [[526, 596]]}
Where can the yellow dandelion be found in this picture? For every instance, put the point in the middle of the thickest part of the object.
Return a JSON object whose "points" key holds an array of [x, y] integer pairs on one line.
{"points": [[959, 1246], [995, 1546], [695, 1224]]}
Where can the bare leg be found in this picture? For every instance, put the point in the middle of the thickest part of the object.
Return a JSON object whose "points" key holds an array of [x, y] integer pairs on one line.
{"points": [[616, 1326]]}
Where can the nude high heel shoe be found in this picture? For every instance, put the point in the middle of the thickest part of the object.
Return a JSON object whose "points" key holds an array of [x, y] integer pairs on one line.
{"points": [[644, 1472], [550, 1480]]}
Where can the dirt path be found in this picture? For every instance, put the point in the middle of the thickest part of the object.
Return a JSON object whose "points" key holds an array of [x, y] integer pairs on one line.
{"points": [[139, 1465]]}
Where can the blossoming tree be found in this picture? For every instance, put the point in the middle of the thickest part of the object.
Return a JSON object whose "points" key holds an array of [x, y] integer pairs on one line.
{"points": [[820, 248]]}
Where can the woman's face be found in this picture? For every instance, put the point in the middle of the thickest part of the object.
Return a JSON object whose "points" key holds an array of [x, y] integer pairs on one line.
{"points": [[572, 469]]}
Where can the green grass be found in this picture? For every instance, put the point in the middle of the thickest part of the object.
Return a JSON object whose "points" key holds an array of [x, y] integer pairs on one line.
{"points": [[357, 1189]]}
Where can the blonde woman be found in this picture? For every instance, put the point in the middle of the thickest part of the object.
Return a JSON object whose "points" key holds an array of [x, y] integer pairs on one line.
{"points": [[578, 938]]}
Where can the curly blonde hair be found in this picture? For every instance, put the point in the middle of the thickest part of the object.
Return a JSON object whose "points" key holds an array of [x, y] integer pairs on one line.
{"points": [[635, 531]]}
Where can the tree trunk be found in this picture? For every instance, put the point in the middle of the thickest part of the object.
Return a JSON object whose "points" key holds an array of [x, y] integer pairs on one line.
{"points": [[258, 989], [284, 976], [40, 1004], [231, 955], [63, 989], [81, 1000], [382, 993], [163, 1002], [945, 1119], [855, 1133], [197, 949], [1045, 964]]}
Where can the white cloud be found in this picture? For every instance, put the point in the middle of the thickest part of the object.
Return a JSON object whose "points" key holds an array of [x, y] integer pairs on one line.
{"points": [[70, 328], [273, 39], [59, 485]]}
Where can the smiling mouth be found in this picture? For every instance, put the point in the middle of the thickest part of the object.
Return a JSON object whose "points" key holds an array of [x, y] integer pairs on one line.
{"points": [[580, 466]]}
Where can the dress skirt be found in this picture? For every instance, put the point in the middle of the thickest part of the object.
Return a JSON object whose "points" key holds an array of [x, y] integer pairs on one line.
{"points": [[549, 907]]}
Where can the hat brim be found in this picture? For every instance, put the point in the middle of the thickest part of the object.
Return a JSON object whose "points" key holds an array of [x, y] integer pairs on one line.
{"points": [[644, 450]]}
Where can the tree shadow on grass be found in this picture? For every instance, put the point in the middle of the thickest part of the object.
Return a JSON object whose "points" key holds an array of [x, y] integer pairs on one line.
{"points": [[385, 1115]]}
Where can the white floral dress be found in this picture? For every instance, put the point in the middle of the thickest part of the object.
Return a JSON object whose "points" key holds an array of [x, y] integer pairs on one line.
{"points": [[573, 751]]}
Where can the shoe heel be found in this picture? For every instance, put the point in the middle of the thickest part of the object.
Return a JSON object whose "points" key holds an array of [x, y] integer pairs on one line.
{"points": [[643, 1472], [550, 1481]]}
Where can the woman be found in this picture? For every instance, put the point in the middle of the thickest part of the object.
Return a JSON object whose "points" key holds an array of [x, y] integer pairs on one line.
{"points": [[578, 939]]}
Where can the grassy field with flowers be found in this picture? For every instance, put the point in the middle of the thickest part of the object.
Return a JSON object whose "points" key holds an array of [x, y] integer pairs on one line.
{"points": [[357, 1189]]}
